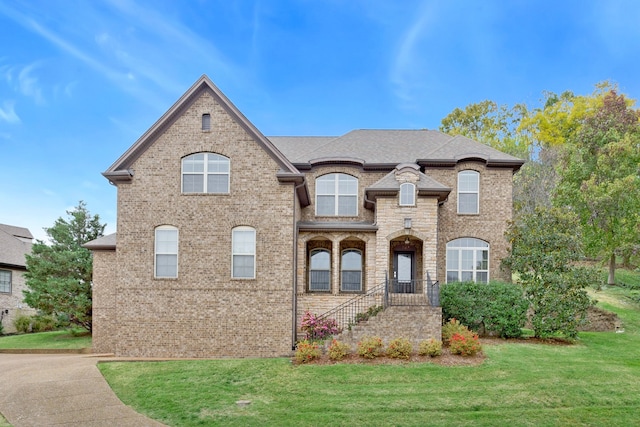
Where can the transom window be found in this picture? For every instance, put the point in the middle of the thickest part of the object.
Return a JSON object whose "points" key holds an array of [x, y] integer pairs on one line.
{"points": [[468, 192], [166, 252], [407, 194], [320, 270], [351, 273], [244, 253], [5, 281], [467, 260], [205, 173], [337, 195]]}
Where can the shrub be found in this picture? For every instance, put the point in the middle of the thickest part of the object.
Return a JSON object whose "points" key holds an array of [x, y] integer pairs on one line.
{"points": [[307, 351], [22, 324], [496, 308], [399, 348], [43, 323], [317, 329], [338, 350], [370, 347], [430, 347], [453, 326], [465, 343]]}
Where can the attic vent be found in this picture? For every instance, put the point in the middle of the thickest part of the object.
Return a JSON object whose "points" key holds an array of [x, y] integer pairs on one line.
{"points": [[206, 122]]}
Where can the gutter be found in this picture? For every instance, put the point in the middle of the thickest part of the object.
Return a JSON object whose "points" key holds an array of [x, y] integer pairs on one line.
{"points": [[294, 296]]}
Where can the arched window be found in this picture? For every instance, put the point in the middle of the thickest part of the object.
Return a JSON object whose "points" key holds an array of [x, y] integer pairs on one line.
{"points": [[351, 271], [320, 270], [407, 194], [166, 252], [468, 192], [205, 173], [337, 195], [467, 260], [243, 243]]}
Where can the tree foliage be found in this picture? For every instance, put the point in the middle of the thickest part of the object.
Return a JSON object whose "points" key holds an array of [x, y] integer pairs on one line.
{"points": [[600, 179], [544, 249], [58, 277]]}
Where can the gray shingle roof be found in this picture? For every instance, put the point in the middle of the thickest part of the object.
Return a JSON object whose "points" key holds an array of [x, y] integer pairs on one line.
{"points": [[15, 243], [107, 242], [388, 147]]}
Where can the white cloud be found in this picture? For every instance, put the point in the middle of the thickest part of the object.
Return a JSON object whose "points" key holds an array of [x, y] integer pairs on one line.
{"points": [[8, 113], [28, 83]]}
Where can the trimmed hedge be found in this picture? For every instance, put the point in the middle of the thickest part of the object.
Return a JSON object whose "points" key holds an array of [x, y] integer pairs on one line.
{"points": [[488, 308]]}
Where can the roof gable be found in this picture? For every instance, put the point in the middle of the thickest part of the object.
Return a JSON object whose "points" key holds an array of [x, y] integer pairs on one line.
{"points": [[120, 171], [15, 243]]}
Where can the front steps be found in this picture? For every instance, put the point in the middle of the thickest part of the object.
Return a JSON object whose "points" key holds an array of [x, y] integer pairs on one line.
{"points": [[416, 323]]}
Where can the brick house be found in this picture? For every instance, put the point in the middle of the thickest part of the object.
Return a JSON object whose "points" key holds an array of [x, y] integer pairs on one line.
{"points": [[15, 243], [225, 237]]}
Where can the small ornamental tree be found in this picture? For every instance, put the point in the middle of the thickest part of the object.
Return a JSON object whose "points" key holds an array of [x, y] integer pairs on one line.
{"points": [[59, 274], [545, 247], [318, 329]]}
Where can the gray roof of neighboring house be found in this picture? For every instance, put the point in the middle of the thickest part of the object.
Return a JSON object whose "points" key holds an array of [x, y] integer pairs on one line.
{"points": [[383, 148], [107, 242], [15, 243]]}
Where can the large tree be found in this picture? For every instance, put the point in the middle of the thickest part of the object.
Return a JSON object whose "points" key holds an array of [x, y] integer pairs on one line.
{"points": [[59, 274], [600, 179]]}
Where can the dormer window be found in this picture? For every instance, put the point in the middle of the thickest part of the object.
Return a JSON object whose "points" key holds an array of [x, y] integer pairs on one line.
{"points": [[337, 195], [407, 194], [205, 173], [206, 122]]}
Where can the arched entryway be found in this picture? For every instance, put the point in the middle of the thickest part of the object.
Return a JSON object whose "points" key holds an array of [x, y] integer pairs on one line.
{"points": [[405, 265]]}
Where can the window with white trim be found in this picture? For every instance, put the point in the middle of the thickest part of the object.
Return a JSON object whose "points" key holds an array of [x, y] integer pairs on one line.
{"points": [[320, 270], [205, 173], [5, 281], [166, 252], [243, 243], [351, 271], [468, 260], [337, 195], [407, 194], [468, 192]]}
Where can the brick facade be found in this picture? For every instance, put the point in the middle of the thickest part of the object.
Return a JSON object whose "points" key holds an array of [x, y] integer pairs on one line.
{"points": [[204, 312]]}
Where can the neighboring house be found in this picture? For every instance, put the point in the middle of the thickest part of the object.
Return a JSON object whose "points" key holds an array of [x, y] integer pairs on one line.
{"points": [[226, 237], [15, 243]]}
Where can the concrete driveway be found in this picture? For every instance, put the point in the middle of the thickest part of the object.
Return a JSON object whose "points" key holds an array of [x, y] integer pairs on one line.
{"points": [[60, 390]]}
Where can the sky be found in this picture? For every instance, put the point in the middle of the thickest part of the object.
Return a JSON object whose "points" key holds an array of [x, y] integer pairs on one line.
{"points": [[81, 81]]}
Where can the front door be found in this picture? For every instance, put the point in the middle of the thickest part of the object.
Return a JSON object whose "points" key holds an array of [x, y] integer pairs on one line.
{"points": [[403, 272]]}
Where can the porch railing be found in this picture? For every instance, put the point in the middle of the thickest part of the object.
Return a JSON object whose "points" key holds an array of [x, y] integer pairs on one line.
{"points": [[389, 293], [357, 308]]}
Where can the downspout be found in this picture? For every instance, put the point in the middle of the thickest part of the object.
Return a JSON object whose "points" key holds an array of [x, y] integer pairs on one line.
{"points": [[294, 299]]}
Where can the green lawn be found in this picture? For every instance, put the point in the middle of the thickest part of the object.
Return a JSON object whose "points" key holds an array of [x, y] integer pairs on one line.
{"points": [[595, 382], [63, 339]]}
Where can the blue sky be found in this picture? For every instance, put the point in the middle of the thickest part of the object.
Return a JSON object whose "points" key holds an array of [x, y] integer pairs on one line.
{"points": [[81, 80]]}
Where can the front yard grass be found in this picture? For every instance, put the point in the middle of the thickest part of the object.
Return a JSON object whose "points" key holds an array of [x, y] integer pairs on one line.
{"points": [[594, 382], [63, 339]]}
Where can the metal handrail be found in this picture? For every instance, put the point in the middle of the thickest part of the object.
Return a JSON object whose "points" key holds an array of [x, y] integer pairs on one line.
{"points": [[358, 308]]}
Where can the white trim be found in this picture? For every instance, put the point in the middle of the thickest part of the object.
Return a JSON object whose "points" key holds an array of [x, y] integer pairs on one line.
{"points": [[252, 253], [468, 244], [10, 283], [205, 172], [335, 177], [407, 193], [469, 172], [156, 252]]}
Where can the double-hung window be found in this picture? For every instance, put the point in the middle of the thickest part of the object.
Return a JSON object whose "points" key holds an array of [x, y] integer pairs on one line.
{"points": [[467, 260], [205, 173], [320, 270], [244, 253], [166, 252], [351, 273], [337, 195], [407, 194], [468, 192], [5, 281]]}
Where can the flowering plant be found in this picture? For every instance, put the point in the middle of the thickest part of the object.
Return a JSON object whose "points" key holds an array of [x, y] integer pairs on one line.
{"points": [[453, 326], [370, 347], [307, 351], [318, 329], [430, 347], [465, 343], [338, 350], [399, 348]]}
